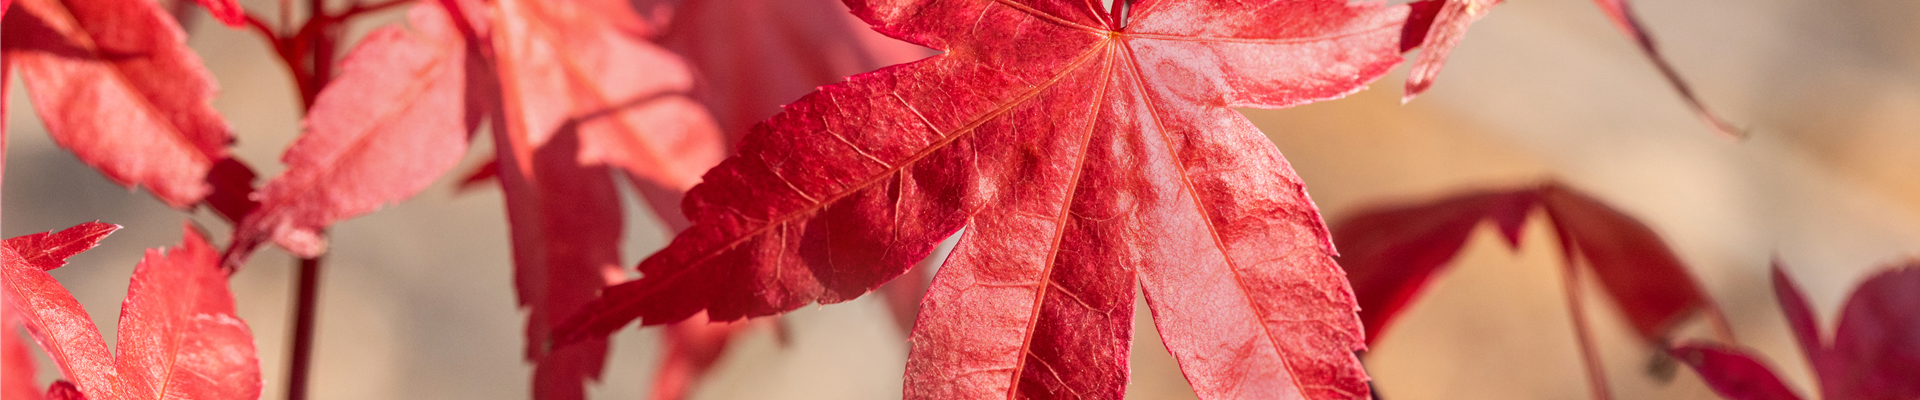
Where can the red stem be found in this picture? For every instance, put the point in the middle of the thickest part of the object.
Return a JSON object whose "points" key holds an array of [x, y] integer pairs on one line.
{"points": [[305, 301], [1596, 370], [308, 54]]}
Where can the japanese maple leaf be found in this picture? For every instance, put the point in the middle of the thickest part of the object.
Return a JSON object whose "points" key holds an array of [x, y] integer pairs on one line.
{"points": [[1438, 25], [178, 335], [750, 58], [585, 94], [1391, 254], [396, 118], [116, 84], [1086, 154], [1872, 354], [16, 365]]}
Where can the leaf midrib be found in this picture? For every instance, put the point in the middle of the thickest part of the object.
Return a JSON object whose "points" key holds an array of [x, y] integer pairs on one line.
{"points": [[931, 148]]}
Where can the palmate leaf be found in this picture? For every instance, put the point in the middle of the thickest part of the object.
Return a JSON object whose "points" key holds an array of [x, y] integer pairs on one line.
{"points": [[1391, 254], [750, 57], [585, 97], [17, 368], [116, 84], [397, 118], [1872, 354], [179, 336], [1087, 155]]}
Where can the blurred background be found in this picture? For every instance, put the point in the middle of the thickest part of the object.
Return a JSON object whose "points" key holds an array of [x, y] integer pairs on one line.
{"points": [[417, 299]]}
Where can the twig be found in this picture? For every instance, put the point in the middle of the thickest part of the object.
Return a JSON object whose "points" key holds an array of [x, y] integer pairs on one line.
{"points": [[271, 34], [1596, 370], [306, 299]]}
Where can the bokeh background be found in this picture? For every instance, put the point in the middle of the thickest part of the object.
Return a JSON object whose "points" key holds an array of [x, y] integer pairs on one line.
{"points": [[417, 299]]}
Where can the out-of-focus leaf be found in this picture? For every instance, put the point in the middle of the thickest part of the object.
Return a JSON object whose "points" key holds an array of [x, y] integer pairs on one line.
{"points": [[116, 84], [1733, 373], [64, 390], [393, 122], [1875, 352], [584, 92], [753, 56], [1873, 355], [232, 196], [1390, 254], [692, 346], [17, 381]]}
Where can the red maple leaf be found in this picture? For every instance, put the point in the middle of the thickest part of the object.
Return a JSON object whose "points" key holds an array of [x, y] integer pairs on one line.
{"points": [[751, 58], [16, 365], [178, 334], [1438, 25], [1872, 354], [397, 118], [585, 95], [1086, 154], [1391, 254], [116, 84]]}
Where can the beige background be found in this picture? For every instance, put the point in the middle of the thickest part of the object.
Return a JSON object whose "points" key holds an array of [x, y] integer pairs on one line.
{"points": [[418, 302]]}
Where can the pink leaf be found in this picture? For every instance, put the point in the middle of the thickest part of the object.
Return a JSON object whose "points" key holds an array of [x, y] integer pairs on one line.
{"points": [[692, 347], [116, 84], [583, 92], [54, 317], [179, 335], [392, 123], [50, 250], [17, 381]]}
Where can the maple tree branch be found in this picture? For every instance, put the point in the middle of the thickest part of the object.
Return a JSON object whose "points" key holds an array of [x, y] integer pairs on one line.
{"points": [[271, 34], [1596, 372], [306, 298]]}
